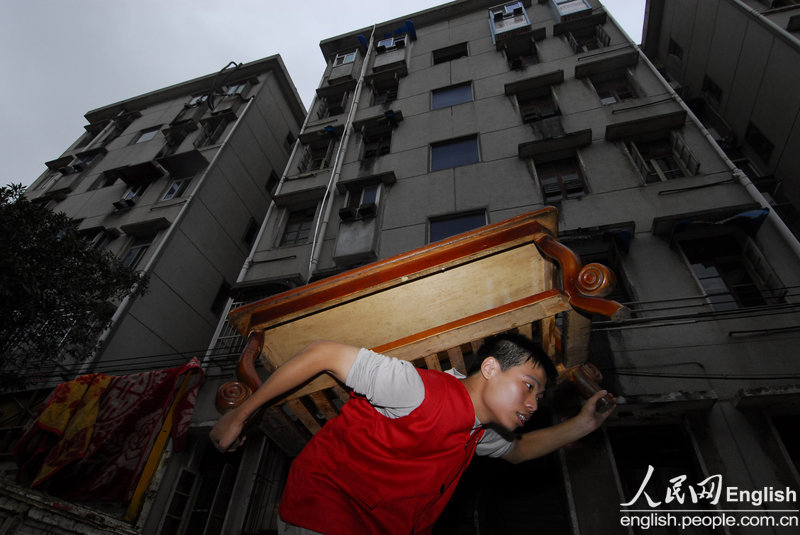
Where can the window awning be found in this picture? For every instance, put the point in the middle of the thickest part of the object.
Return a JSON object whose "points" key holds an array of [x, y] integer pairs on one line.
{"points": [[607, 64], [547, 150], [637, 127], [184, 164], [747, 218], [536, 82]]}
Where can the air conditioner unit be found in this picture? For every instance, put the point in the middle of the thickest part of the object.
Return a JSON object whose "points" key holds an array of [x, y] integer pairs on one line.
{"points": [[368, 210], [347, 214]]}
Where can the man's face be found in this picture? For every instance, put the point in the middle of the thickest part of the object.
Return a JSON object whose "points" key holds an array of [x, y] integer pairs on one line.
{"points": [[513, 395]]}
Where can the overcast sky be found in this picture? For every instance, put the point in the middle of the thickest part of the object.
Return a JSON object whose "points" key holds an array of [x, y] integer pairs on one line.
{"points": [[63, 58]]}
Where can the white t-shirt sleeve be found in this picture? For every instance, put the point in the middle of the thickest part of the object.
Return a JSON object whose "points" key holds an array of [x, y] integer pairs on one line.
{"points": [[391, 385], [493, 444]]}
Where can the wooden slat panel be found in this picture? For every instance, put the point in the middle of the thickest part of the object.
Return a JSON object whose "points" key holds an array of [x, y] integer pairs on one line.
{"points": [[433, 363], [324, 405], [452, 334], [304, 415], [417, 305], [549, 336], [288, 436], [342, 394], [576, 339], [526, 330], [457, 359]]}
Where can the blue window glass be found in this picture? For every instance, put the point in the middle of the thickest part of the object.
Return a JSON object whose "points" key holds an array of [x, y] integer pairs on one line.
{"points": [[462, 151], [445, 227], [450, 96]]}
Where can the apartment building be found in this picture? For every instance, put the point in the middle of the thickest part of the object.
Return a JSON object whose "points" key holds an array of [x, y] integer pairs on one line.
{"points": [[735, 63], [473, 112], [175, 182]]}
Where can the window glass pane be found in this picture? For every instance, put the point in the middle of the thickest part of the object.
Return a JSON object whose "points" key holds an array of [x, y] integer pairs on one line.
{"points": [[450, 53], [454, 153], [450, 226], [449, 96]]}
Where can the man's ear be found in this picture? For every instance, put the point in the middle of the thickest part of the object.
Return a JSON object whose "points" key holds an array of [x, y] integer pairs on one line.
{"points": [[489, 367]]}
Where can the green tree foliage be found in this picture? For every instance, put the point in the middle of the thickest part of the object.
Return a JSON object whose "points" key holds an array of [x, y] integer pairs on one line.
{"points": [[57, 292]]}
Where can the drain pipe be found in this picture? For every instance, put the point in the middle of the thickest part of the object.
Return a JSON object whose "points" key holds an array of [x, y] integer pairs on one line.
{"points": [[744, 180], [327, 203], [127, 301]]}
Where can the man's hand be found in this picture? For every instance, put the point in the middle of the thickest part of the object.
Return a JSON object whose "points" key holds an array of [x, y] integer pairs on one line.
{"points": [[225, 435], [589, 419]]}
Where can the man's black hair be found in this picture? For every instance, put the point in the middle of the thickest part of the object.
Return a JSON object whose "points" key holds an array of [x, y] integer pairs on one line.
{"points": [[513, 350]]}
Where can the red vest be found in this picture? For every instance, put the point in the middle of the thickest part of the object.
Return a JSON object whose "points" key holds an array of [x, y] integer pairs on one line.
{"points": [[366, 473]]}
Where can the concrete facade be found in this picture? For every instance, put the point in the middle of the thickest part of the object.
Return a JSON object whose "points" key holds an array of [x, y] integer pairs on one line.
{"points": [[184, 186], [736, 63]]}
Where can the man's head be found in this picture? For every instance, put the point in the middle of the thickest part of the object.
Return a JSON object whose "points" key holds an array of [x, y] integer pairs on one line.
{"points": [[512, 350], [513, 373]]}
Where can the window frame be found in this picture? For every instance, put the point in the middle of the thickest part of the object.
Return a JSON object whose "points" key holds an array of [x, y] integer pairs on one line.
{"points": [[451, 95], [450, 53], [344, 58], [439, 159], [649, 165], [137, 249], [558, 171], [746, 260], [465, 216], [303, 218], [611, 83], [148, 134], [177, 187]]}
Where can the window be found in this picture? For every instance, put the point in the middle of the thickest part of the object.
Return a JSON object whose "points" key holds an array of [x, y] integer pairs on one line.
{"points": [[98, 237], [536, 106], [443, 55], [450, 96], [731, 270], [560, 179], [674, 49], [361, 202], [272, 182], [758, 142], [613, 88], [212, 128], [443, 227], [251, 232], [333, 104], [176, 188], [453, 153], [290, 139], [220, 299], [146, 135], [390, 43], [589, 38], [712, 91], [103, 181], [298, 226], [344, 58], [137, 250], [385, 91], [135, 191], [663, 158], [316, 156], [236, 89], [377, 140]]}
